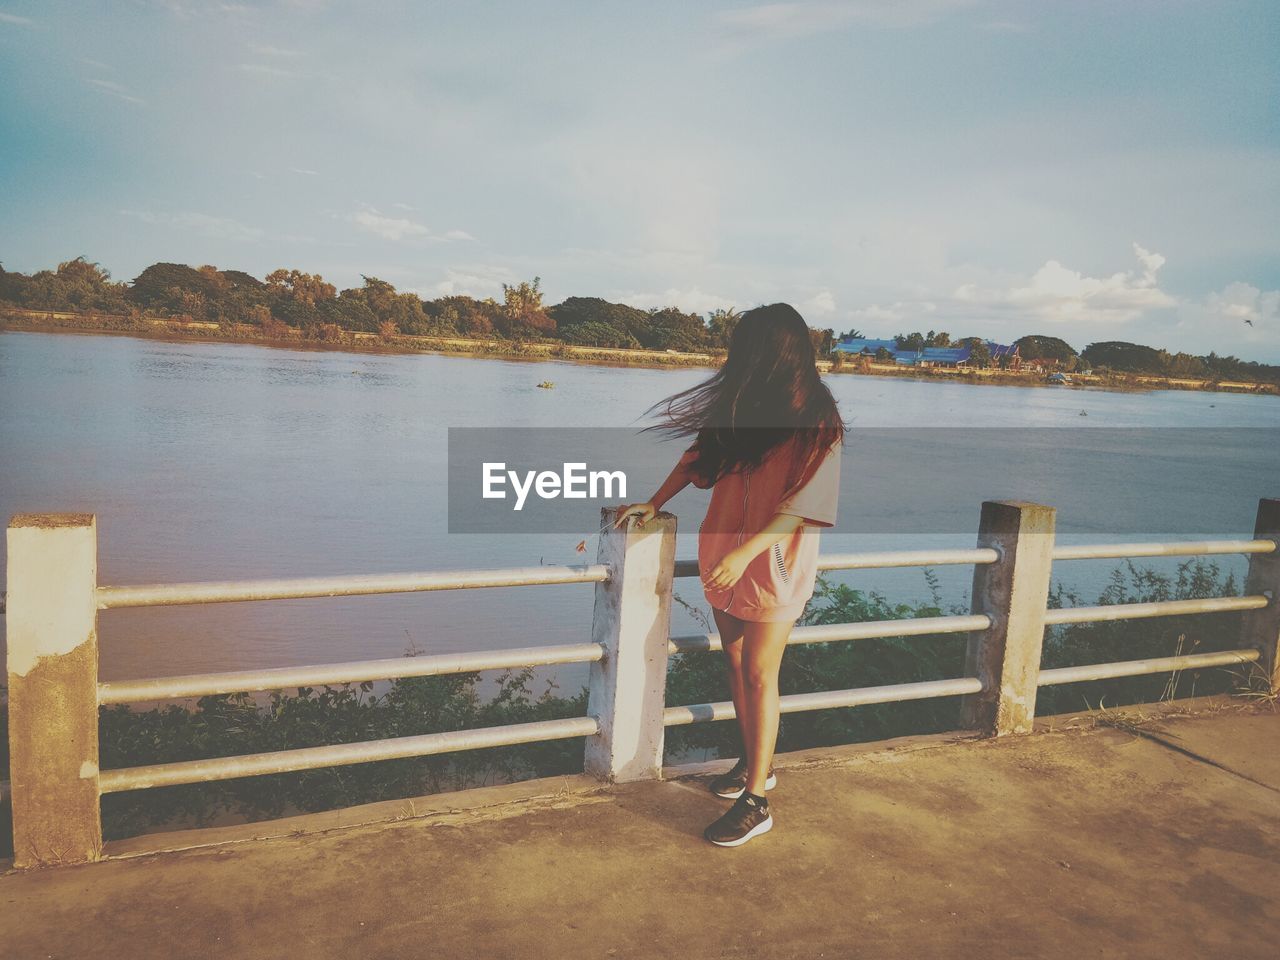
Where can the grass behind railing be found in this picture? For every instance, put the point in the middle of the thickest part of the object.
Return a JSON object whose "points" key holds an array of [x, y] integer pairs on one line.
{"points": [[239, 724]]}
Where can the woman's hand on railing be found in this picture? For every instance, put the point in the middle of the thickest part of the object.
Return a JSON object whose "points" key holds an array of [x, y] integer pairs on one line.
{"points": [[641, 511]]}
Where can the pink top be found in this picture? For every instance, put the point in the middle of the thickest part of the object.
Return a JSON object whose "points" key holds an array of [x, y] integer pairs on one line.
{"points": [[779, 581]]}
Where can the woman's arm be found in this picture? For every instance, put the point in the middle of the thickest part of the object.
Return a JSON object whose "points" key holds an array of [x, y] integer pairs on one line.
{"points": [[734, 563], [677, 480]]}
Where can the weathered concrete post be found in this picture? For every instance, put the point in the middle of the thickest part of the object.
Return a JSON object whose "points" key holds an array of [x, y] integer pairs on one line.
{"points": [[1013, 592], [632, 620], [1261, 629], [51, 626]]}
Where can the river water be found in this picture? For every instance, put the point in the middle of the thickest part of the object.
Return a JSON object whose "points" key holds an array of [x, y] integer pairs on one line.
{"points": [[211, 461]]}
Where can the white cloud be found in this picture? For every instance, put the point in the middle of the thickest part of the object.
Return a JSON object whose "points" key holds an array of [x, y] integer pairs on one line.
{"points": [[691, 300], [389, 228], [118, 90], [402, 228], [1239, 312], [1005, 26], [878, 318], [265, 70], [819, 304], [476, 280], [15, 19], [304, 171], [787, 20], [220, 228], [266, 50], [1056, 294]]}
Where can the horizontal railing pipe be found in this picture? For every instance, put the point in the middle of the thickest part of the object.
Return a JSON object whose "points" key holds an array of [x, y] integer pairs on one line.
{"points": [[1159, 608], [1190, 548], [1134, 668], [879, 561], [867, 630], [906, 558], [174, 594], [310, 758], [824, 700], [211, 684]]}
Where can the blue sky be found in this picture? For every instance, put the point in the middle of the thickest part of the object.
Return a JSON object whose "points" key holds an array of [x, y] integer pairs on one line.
{"points": [[1082, 169]]}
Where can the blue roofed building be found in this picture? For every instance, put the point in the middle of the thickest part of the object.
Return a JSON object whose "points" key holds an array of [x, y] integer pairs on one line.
{"points": [[861, 345], [955, 356]]}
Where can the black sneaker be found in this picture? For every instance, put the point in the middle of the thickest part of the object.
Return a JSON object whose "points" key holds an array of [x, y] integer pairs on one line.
{"points": [[730, 785], [748, 817]]}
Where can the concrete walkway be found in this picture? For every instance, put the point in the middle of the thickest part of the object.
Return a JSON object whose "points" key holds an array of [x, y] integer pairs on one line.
{"points": [[1087, 840]]}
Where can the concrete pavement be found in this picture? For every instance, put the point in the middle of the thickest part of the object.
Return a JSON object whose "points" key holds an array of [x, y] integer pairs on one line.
{"points": [[1083, 840]]}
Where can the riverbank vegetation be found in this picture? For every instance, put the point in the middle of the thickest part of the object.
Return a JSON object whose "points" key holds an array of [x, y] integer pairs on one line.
{"points": [[291, 306], [230, 725]]}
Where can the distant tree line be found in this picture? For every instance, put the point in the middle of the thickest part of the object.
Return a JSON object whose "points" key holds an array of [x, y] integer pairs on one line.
{"points": [[1107, 356], [290, 299]]}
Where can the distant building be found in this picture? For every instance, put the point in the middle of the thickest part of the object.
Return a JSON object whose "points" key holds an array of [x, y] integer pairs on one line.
{"points": [[959, 356]]}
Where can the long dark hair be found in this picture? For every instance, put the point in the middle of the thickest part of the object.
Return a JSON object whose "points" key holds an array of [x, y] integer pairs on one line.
{"points": [[766, 395]]}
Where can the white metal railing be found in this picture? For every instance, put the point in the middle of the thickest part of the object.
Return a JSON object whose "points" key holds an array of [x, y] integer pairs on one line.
{"points": [[1159, 608], [54, 600], [1134, 668], [827, 699], [209, 684], [864, 630], [310, 758], [172, 594], [1186, 548]]}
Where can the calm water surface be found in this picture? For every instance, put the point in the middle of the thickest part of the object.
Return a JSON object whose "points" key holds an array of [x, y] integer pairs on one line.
{"points": [[228, 461]]}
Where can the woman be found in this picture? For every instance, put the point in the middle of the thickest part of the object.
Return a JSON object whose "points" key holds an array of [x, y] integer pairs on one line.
{"points": [[767, 439]]}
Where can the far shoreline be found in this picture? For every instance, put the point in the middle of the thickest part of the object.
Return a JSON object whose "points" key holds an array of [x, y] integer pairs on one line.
{"points": [[359, 343]]}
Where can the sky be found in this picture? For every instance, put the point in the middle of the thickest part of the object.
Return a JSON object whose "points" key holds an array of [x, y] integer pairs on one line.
{"points": [[1088, 170]]}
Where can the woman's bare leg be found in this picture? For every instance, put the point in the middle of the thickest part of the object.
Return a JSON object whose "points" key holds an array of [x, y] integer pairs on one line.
{"points": [[763, 646], [730, 629]]}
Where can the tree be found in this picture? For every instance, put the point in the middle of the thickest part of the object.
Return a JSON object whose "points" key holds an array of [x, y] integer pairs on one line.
{"points": [[672, 329], [979, 352], [1043, 348], [591, 321], [384, 304], [522, 311], [164, 286], [76, 285], [305, 289], [884, 356], [1120, 355], [911, 342], [823, 341], [466, 315], [722, 323], [295, 296]]}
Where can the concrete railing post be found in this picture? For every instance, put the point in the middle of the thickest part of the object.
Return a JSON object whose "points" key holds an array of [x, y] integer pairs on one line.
{"points": [[51, 627], [1013, 592], [632, 621], [1262, 627]]}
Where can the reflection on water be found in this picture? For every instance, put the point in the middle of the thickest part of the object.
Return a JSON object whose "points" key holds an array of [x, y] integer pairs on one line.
{"points": [[225, 461]]}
